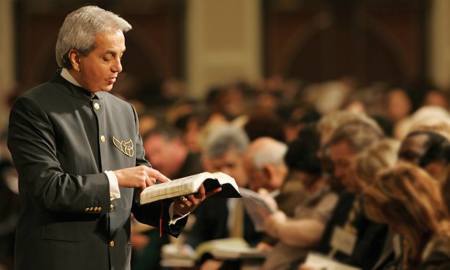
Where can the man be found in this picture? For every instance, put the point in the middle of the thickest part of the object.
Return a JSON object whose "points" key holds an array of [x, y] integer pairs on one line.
{"points": [[79, 156], [167, 152], [265, 165], [220, 217], [349, 236], [298, 234], [224, 217]]}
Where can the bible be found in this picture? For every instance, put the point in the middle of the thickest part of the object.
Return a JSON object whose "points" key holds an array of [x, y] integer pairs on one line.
{"points": [[190, 185]]}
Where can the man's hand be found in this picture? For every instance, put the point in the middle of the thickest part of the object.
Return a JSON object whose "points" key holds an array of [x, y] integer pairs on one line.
{"points": [[139, 177], [273, 222], [187, 204]]}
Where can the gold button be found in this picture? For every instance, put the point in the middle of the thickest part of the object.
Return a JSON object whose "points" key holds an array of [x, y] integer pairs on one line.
{"points": [[102, 138], [111, 243], [99, 209], [96, 106], [91, 209], [95, 209], [86, 210]]}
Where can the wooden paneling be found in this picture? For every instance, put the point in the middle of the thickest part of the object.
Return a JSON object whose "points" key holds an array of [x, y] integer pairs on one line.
{"points": [[368, 40], [155, 45]]}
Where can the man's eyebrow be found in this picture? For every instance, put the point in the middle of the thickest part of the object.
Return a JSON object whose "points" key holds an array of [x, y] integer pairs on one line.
{"points": [[112, 52]]}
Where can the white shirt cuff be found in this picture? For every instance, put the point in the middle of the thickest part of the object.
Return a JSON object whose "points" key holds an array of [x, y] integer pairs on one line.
{"points": [[114, 191], [172, 220]]}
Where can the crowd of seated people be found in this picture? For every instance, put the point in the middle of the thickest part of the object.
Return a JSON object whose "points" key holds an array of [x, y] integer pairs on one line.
{"points": [[362, 181]]}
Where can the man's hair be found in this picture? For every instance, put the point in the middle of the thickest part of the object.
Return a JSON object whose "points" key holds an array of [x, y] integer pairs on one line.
{"points": [[302, 153], [224, 138], [358, 134], [164, 130], [329, 123], [79, 29], [266, 150]]}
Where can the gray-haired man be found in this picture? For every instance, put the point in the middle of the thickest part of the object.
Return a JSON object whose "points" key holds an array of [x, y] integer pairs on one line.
{"points": [[80, 157]]}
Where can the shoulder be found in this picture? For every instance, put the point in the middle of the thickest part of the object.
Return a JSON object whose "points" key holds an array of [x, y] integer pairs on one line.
{"points": [[37, 97], [42, 91]]}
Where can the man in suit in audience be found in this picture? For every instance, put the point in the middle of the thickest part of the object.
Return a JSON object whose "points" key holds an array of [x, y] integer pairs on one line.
{"points": [[350, 237], [224, 217], [80, 158]]}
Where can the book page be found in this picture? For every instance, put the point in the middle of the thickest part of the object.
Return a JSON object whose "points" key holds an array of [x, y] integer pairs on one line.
{"points": [[228, 183], [228, 248], [174, 188], [257, 207], [319, 261]]}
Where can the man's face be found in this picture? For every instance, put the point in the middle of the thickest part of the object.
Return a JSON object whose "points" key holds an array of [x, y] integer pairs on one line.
{"points": [[98, 70], [162, 153], [412, 148], [342, 157], [229, 163]]}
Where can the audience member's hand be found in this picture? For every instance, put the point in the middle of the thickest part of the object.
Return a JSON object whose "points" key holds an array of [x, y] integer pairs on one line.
{"points": [[139, 241], [264, 247], [211, 265], [139, 177], [306, 267], [187, 204], [273, 222]]}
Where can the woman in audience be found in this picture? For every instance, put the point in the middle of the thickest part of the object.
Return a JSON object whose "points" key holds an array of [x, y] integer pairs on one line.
{"points": [[410, 201]]}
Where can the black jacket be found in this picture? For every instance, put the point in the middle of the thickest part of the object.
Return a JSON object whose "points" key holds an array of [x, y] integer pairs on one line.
{"points": [[61, 143]]}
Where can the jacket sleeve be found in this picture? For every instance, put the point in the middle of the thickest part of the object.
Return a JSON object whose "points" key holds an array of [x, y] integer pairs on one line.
{"points": [[32, 142], [140, 152]]}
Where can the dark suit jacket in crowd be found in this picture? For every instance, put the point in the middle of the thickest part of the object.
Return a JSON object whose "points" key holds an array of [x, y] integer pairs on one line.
{"points": [[62, 138], [370, 236], [212, 223]]}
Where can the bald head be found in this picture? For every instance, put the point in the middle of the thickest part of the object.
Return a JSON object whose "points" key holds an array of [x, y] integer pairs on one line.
{"points": [[264, 161]]}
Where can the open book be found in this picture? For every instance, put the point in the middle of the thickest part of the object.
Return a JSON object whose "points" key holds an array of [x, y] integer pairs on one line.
{"points": [[257, 207], [319, 261], [227, 249], [221, 249], [189, 185]]}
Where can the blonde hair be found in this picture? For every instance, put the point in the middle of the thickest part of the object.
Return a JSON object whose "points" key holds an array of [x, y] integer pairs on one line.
{"points": [[406, 197], [380, 155]]}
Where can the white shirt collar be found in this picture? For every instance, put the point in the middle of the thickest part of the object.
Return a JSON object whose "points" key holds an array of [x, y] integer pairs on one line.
{"points": [[68, 77]]}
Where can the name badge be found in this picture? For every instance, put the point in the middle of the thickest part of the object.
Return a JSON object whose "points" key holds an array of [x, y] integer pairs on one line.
{"points": [[343, 241]]}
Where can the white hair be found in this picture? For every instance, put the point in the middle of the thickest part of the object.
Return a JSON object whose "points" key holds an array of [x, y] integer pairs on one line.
{"points": [[223, 138], [269, 151], [80, 27]]}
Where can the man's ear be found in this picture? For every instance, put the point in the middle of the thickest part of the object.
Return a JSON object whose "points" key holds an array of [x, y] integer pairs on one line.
{"points": [[269, 171], [74, 59]]}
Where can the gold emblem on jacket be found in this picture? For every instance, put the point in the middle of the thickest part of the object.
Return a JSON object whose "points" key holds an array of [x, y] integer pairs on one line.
{"points": [[125, 147]]}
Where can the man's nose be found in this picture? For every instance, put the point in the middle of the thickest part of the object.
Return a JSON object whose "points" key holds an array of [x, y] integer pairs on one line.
{"points": [[117, 66]]}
